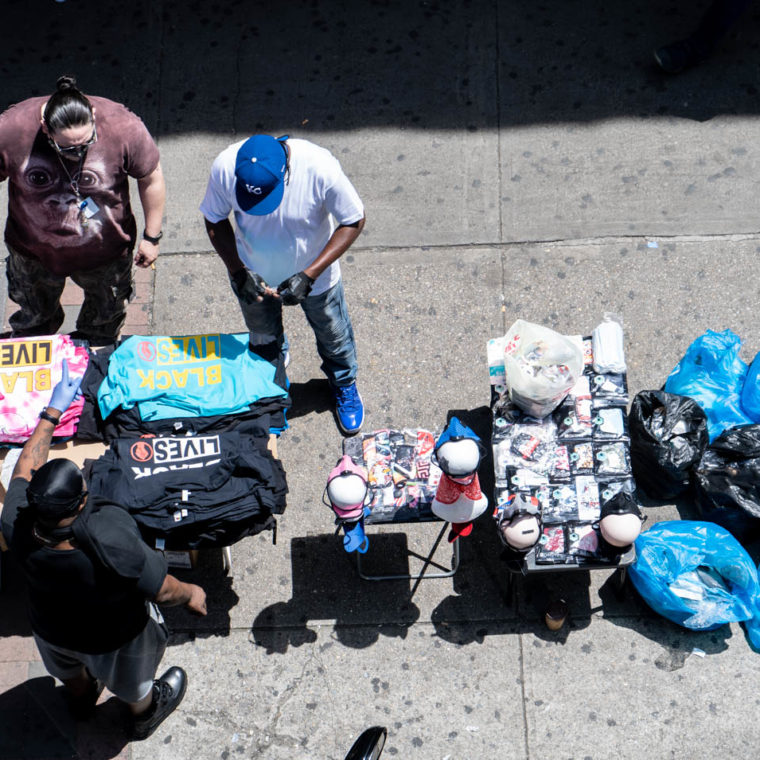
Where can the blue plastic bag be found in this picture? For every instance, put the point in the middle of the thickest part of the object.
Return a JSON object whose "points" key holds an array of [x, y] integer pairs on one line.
{"points": [[712, 373], [751, 391], [697, 575]]}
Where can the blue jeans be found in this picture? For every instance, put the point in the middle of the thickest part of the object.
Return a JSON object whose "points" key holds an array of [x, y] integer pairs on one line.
{"points": [[327, 314]]}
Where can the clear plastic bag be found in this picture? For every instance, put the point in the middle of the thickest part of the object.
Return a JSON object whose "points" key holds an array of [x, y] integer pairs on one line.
{"points": [[541, 367], [609, 353]]}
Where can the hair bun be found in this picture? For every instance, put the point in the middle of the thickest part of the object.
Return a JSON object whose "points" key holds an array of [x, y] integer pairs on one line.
{"points": [[65, 83]]}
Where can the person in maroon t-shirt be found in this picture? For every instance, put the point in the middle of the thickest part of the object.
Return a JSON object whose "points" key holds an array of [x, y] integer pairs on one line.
{"points": [[67, 159]]}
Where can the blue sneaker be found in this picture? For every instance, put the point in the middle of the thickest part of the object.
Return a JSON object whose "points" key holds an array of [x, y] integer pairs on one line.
{"points": [[349, 409]]}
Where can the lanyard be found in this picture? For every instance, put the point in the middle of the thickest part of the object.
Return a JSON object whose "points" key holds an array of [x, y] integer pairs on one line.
{"points": [[74, 184]]}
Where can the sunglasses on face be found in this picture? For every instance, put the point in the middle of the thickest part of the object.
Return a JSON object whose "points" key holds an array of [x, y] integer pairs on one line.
{"points": [[75, 150]]}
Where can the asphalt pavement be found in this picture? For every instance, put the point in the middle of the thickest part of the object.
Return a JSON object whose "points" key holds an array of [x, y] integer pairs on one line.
{"points": [[516, 161]]}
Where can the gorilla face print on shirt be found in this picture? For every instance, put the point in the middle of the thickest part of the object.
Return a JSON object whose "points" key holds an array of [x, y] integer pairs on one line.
{"points": [[50, 205]]}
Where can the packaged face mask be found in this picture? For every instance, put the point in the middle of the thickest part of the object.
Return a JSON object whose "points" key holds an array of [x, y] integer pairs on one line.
{"points": [[612, 460], [610, 423]]}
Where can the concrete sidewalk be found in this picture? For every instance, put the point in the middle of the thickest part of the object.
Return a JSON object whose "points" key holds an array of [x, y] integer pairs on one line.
{"points": [[515, 161]]}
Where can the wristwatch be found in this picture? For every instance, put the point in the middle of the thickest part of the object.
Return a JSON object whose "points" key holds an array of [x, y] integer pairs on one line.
{"points": [[152, 239], [49, 417]]}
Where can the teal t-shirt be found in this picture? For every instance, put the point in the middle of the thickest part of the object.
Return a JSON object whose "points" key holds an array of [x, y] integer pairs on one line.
{"points": [[186, 376]]}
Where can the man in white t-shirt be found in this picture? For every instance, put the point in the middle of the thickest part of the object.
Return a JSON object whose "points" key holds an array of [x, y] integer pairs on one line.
{"points": [[296, 214]]}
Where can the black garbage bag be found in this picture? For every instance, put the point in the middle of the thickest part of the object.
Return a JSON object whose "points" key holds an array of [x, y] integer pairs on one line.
{"points": [[668, 435], [727, 482]]}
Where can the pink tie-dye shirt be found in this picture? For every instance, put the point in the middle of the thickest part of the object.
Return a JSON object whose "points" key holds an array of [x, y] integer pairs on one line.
{"points": [[29, 370]]}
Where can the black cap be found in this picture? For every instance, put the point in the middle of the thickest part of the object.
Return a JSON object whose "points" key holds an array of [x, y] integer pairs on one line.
{"points": [[56, 490]]}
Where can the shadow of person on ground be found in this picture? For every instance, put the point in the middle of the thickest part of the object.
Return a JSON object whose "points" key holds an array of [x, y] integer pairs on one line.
{"points": [[35, 723], [312, 396], [14, 620], [327, 586], [209, 573]]}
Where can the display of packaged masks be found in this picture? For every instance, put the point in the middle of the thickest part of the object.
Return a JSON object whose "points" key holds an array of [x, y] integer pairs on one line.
{"points": [[529, 446], [574, 420], [581, 458], [523, 479], [587, 493], [560, 467], [573, 460], [582, 539], [609, 489], [608, 389], [402, 467], [610, 423], [558, 502], [612, 459], [402, 477], [550, 549], [506, 415]]}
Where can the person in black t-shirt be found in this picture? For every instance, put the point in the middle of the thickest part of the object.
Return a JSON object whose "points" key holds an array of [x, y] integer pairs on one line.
{"points": [[92, 583]]}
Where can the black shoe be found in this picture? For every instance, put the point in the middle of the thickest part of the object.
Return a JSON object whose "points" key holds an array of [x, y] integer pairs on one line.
{"points": [[83, 707], [93, 340], [168, 692], [677, 56]]}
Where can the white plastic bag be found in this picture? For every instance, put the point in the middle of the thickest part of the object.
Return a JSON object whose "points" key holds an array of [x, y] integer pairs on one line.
{"points": [[541, 367]]}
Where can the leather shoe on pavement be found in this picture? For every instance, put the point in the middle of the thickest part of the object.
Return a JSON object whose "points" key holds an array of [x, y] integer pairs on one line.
{"points": [[167, 694]]}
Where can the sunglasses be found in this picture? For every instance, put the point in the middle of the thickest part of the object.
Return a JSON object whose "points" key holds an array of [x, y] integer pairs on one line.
{"points": [[75, 150]]}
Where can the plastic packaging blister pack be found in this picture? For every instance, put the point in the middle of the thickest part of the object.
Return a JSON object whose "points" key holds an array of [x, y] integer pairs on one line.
{"points": [[612, 459], [505, 414], [524, 446], [558, 501], [610, 423], [523, 479], [587, 346], [560, 466], [611, 488], [551, 546], [608, 390], [574, 419], [582, 540], [589, 504], [581, 458]]}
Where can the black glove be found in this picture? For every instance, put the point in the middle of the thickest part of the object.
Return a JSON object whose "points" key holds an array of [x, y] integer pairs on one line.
{"points": [[295, 288], [242, 277]]}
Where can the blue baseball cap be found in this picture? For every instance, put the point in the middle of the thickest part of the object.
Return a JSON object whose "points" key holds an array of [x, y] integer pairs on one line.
{"points": [[260, 169]]}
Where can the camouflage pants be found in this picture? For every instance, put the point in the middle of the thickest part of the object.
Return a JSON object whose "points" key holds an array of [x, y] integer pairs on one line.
{"points": [[107, 291]]}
